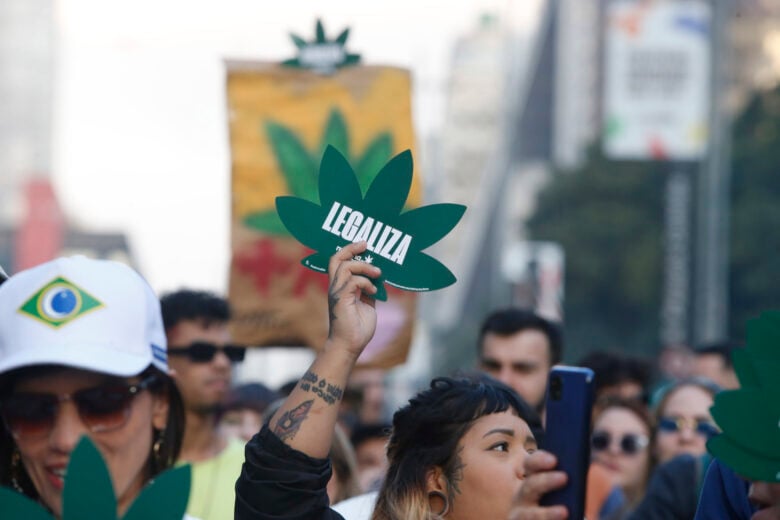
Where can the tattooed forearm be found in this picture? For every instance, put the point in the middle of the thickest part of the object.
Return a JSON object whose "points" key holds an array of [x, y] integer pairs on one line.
{"points": [[311, 382], [334, 295], [290, 421]]}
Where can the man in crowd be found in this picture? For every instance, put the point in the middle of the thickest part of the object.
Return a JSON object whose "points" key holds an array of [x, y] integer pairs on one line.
{"points": [[518, 348], [200, 353], [713, 361], [370, 444]]}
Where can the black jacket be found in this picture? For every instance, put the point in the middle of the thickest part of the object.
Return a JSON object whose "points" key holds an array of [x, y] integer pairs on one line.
{"points": [[280, 483], [673, 491]]}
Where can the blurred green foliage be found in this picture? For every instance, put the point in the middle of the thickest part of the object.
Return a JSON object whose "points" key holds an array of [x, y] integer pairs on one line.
{"points": [[609, 217], [755, 219]]}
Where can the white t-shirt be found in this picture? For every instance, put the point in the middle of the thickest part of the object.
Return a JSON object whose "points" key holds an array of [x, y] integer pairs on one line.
{"points": [[357, 508]]}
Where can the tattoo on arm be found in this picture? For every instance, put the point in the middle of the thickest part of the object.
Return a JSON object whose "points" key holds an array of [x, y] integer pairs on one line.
{"points": [[333, 299], [290, 421], [311, 382]]}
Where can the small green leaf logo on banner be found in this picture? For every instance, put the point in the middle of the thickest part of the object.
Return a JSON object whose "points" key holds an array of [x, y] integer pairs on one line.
{"points": [[59, 302], [322, 55], [395, 239]]}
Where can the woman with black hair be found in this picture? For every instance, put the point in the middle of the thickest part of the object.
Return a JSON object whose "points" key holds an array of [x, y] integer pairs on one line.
{"points": [[456, 451]]}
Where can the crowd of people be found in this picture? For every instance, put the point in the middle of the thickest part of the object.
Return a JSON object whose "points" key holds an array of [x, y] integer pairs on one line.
{"points": [[88, 349]]}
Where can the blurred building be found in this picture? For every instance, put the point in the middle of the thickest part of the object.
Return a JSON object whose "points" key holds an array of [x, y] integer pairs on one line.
{"points": [[42, 233], [486, 166], [33, 228], [575, 45], [26, 79], [755, 43], [472, 128]]}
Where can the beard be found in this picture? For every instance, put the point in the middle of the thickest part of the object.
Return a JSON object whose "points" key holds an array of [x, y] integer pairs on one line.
{"points": [[205, 409]]}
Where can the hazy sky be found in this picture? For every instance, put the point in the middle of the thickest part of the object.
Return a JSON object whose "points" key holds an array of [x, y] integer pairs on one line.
{"points": [[141, 136]]}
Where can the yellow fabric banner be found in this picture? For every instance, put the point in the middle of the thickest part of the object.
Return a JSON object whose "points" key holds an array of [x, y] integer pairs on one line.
{"points": [[281, 119]]}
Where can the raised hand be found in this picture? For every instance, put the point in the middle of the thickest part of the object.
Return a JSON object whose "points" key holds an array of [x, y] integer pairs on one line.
{"points": [[306, 419], [350, 305]]}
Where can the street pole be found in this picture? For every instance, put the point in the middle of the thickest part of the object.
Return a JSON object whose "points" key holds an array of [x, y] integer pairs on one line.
{"points": [[712, 230], [675, 308]]}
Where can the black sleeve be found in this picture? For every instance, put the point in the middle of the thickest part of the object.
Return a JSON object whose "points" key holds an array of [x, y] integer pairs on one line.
{"points": [[671, 494], [280, 483]]}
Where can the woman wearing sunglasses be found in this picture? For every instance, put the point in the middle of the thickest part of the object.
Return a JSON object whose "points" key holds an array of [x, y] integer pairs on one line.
{"points": [[83, 352], [620, 442], [683, 418]]}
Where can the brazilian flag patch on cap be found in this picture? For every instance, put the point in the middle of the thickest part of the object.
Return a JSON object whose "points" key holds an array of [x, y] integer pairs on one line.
{"points": [[59, 302]]}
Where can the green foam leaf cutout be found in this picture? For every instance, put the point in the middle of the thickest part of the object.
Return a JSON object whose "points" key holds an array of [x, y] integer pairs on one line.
{"points": [[89, 493], [395, 239], [14, 505], [749, 464], [166, 497], [750, 415], [739, 414]]}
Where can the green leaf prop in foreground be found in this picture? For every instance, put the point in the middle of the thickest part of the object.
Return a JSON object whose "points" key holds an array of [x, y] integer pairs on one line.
{"points": [[89, 493], [750, 416], [395, 240]]}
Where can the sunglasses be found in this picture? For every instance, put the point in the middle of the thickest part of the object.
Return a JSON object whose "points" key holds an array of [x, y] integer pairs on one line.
{"points": [[103, 408], [630, 443], [703, 427], [204, 352]]}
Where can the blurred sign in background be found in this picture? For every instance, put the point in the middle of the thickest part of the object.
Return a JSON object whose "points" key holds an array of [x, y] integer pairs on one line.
{"points": [[281, 120], [657, 79]]}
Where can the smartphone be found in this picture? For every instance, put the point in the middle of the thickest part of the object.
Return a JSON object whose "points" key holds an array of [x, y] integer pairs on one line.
{"points": [[567, 434]]}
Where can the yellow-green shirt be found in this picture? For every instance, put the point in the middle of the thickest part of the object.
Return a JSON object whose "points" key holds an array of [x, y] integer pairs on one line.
{"points": [[212, 493]]}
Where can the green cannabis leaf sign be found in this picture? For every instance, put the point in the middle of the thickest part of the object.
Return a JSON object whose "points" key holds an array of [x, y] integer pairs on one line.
{"points": [[750, 416], [395, 239], [88, 493]]}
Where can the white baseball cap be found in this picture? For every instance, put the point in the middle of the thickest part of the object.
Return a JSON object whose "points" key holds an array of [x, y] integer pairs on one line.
{"points": [[95, 315]]}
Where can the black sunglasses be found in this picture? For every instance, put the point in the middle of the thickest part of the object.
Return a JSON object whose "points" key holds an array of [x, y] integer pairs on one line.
{"points": [[204, 352], [630, 443], [102, 408]]}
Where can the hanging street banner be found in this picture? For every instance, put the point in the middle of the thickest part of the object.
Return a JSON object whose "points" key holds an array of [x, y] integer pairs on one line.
{"points": [[657, 79], [282, 118]]}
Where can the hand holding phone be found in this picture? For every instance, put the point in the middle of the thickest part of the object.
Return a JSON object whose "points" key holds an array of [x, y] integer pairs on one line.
{"points": [[567, 434]]}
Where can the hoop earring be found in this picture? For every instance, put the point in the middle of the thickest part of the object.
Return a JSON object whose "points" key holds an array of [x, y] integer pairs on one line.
{"points": [[16, 464], [443, 498]]}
